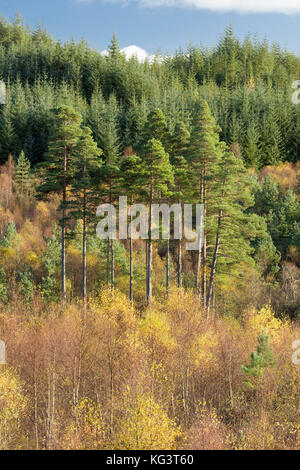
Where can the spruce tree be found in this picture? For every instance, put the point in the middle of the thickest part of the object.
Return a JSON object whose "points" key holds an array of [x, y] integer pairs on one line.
{"points": [[155, 128], [22, 178]]}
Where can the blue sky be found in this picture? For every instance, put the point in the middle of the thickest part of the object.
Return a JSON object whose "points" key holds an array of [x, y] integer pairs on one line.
{"points": [[161, 24]]}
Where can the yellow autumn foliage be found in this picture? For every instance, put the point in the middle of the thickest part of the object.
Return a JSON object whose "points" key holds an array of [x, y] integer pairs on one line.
{"points": [[264, 320], [13, 406], [146, 427]]}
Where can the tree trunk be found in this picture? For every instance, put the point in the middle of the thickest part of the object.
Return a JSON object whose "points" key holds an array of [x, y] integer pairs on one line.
{"points": [[108, 251], [36, 417], [150, 253], [179, 265], [199, 260], [150, 258], [63, 232], [204, 250], [179, 259], [168, 268], [214, 262], [107, 263], [112, 265], [147, 263], [131, 266], [84, 252], [112, 250]]}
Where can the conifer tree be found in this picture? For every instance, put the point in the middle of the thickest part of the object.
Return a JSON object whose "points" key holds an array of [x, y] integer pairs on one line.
{"points": [[203, 154], [132, 182], [235, 227], [155, 128], [51, 261], [158, 175], [110, 172], [22, 179], [182, 188], [9, 236], [85, 198], [182, 194], [7, 134], [58, 169], [179, 140]]}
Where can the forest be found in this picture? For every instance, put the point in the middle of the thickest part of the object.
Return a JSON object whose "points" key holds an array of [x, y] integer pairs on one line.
{"points": [[141, 344]]}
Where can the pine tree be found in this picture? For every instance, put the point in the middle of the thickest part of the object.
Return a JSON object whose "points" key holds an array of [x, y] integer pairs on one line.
{"points": [[182, 194], [158, 175], [203, 154], [262, 358], [84, 193], [58, 169], [182, 188], [110, 172], [132, 182], [235, 227]]}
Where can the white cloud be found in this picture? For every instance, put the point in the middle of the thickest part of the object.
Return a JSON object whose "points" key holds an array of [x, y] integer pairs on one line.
{"points": [[136, 51], [242, 6], [246, 6]]}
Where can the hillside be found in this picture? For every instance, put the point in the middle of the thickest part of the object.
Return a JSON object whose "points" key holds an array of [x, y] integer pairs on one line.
{"points": [[144, 343]]}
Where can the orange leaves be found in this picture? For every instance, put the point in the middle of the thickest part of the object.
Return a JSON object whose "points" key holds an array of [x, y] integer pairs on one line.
{"points": [[111, 377], [284, 174]]}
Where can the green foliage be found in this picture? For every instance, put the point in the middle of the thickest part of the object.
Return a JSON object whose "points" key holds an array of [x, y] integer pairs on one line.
{"points": [[281, 212], [157, 170], [246, 84], [260, 359], [3, 286], [51, 263], [22, 178], [86, 164], [10, 236], [267, 256], [25, 278], [58, 168]]}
